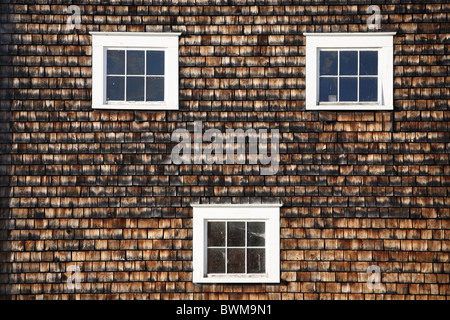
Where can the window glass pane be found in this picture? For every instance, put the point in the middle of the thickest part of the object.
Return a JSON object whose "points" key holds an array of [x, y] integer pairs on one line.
{"points": [[348, 89], [236, 234], [115, 88], [368, 89], [155, 89], [155, 63], [368, 63], [236, 261], [216, 234], [216, 261], [328, 89], [328, 63], [348, 63], [256, 234], [135, 88], [256, 260], [115, 62], [135, 62]]}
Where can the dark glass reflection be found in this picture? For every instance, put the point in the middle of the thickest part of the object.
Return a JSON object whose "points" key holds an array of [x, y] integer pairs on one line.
{"points": [[216, 261], [256, 260], [135, 88], [328, 63], [368, 64], [115, 62], [236, 234], [155, 89], [115, 88], [256, 234], [368, 89], [348, 89], [216, 234], [348, 63], [236, 261], [155, 63], [328, 89], [135, 62]]}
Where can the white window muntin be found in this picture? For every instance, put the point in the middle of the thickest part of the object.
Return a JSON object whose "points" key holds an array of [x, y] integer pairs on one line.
{"points": [[226, 247], [358, 76], [167, 42], [380, 41], [145, 75], [269, 213]]}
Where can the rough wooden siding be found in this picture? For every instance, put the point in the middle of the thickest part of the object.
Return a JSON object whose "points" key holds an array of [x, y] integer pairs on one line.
{"points": [[93, 188], [5, 158]]}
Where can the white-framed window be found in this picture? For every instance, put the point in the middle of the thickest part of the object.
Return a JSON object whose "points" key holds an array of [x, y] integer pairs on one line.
{"points": [[349, 71], [135, 70], [236, 243]]}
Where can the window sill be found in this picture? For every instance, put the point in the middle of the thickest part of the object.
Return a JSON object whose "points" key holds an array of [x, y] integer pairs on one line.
{"points": [[239, 278], [136, 106], [350, 107]]}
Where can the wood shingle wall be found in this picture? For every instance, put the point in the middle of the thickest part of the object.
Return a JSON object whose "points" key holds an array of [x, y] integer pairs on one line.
{"points": [[96, 189]]}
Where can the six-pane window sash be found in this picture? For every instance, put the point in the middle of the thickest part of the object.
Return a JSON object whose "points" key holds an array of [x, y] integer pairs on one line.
{"points": [[349, 76], [134, 75], [236, 247]]}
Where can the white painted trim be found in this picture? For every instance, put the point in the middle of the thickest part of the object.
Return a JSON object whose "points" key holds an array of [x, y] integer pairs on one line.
{"points": [[269, 213], [233, 205], [142, 40], [381, 41], [349, 34], [127, 34]]}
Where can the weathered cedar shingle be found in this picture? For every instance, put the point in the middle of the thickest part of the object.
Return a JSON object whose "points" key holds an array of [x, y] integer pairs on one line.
{"points": [[89, 187]]}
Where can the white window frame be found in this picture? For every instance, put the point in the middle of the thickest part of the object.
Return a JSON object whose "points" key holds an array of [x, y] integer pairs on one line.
{"points": [[380, 41], [167, 42], [270, 213]]}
